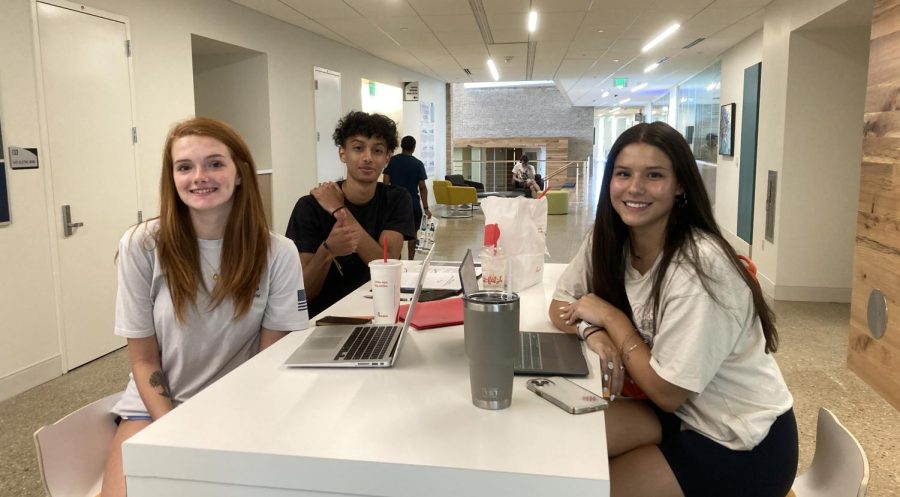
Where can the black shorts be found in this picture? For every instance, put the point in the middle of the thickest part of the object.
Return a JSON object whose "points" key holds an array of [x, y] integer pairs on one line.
{"points": [[417, 216], [705, 468]]}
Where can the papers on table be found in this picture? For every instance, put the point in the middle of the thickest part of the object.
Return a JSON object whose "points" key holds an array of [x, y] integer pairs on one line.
{"points": [[441, 275]]}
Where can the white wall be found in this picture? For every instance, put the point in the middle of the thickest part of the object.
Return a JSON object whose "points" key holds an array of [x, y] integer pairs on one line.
{"points": [[734, 61], [163, 81], [787, 143], [238, 93], [823, 147], [28, 327]]}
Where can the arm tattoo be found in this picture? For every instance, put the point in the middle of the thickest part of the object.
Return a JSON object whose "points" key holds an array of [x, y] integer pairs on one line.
{"points": [[158, 380]]}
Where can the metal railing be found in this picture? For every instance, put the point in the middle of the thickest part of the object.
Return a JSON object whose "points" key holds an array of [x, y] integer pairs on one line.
{"points": [[496, 175]]}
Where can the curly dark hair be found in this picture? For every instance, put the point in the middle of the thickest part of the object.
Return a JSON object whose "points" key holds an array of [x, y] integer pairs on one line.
{"points": [[369, 125]]}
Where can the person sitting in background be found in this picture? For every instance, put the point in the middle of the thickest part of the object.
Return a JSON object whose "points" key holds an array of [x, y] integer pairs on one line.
{"points": [[710, 149], [203, 287], [663, 300], [338, 228], [409, 172], [524, 176]]}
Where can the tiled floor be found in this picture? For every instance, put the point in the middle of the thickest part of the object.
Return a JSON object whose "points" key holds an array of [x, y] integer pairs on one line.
{"points": [[812, 357]]}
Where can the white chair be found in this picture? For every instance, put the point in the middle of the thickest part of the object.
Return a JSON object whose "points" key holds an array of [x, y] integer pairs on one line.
{"points": [[839, 467], [72, 451]]}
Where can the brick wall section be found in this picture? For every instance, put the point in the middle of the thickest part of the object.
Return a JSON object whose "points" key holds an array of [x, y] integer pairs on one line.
{"points": [[521, 112]]}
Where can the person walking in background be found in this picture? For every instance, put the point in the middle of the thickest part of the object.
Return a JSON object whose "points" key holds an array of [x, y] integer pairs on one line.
{"points": [[409, 172], [203, 287]]}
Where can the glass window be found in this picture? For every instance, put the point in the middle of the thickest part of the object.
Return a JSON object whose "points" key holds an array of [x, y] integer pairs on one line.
{"points": [[698, 112], [659, 109]]}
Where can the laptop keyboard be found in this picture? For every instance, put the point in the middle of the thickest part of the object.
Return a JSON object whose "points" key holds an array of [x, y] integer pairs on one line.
{"points": [[366, 342], [530, 356]]}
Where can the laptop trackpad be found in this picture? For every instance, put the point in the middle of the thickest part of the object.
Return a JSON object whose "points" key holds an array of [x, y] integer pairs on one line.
{"points": [[322, 343]]}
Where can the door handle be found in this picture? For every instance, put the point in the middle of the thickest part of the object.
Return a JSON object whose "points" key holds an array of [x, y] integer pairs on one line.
{"points": [[68, 226]]}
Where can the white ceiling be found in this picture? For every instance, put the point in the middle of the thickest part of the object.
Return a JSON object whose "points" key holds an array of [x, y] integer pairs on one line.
{"points": [[580, 44]]}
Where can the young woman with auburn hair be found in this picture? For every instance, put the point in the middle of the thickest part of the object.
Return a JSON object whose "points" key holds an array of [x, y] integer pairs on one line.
{"points": [[663, 300], [203, 287]]}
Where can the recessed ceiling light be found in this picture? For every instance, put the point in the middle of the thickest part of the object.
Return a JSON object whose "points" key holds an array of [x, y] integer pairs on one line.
{"points": [[651, 67], [599, 30], [615, 60], [532, 21], [605, 94], [639, 87], [624, 101]]}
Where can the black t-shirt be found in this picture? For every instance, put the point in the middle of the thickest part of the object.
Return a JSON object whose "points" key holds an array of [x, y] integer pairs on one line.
{"points": [[406, 171], [310, 224]]}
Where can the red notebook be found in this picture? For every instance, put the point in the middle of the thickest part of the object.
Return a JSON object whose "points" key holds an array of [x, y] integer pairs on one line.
{"points": [[436, 313]]}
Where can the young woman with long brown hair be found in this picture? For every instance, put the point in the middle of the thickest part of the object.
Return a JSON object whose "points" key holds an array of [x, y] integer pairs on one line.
{"points": [[662, 298], [203, 287]]}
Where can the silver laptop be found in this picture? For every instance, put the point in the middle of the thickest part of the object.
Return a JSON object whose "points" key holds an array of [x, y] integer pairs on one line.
{"points": [[355, 346], [540, 354]]}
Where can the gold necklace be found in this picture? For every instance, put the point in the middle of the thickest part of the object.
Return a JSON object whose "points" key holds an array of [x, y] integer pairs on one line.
{"points": [[215, 271]]}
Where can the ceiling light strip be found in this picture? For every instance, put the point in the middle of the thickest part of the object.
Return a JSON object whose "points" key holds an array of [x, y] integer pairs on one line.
{"points": [[639, 87], [659, 38], [493, 68], [532, 21]]}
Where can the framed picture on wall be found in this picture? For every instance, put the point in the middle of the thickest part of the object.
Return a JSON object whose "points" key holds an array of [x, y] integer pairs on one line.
{"points": [[726, 129]]}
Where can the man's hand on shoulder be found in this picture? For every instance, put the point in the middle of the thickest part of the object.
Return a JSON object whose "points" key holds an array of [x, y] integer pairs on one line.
{"points": [[329, 196]]}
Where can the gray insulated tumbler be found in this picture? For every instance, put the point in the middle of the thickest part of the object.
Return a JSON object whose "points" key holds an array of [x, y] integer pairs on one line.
{"points": [[491, 328]]}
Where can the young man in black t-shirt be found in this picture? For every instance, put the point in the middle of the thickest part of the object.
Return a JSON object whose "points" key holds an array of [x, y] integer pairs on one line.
{"points": [[338, 227], [409, 172]]}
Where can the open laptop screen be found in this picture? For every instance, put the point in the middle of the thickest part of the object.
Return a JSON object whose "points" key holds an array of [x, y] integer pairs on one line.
{"points": [[467, 276]]}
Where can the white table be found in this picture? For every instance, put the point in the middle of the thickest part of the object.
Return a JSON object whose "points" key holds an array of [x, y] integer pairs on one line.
{"points": [[410, 430]]}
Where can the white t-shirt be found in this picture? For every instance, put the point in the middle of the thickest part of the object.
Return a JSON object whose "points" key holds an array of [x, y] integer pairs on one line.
{"points": [[715, 348], [209, 343], [522, 173]]}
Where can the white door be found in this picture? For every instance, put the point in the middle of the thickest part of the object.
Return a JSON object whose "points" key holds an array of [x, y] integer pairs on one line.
{"points": [[328, 112], [88, 106]]}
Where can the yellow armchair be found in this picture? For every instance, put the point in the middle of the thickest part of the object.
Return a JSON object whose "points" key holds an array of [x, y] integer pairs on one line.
{"points": [[460, 200]]}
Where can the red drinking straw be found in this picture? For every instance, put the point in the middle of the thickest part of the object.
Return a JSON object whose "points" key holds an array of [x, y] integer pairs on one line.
{"points": [[384, 247]]}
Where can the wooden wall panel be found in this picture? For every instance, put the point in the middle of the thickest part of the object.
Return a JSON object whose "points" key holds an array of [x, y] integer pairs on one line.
{"points": [[877, 255]]}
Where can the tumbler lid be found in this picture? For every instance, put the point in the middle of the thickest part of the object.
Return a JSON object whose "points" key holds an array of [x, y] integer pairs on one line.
{"points": [[491, 300]]}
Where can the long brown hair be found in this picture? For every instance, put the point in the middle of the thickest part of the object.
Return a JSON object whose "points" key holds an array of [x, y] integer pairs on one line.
{"points": [[245, 248], [694, 217]]}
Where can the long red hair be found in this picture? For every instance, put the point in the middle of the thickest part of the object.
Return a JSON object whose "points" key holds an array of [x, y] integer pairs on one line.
{"points": [[245, 247]]}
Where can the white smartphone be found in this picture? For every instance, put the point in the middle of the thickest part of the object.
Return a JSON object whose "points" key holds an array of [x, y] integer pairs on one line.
{"points": [[565, 394]]}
